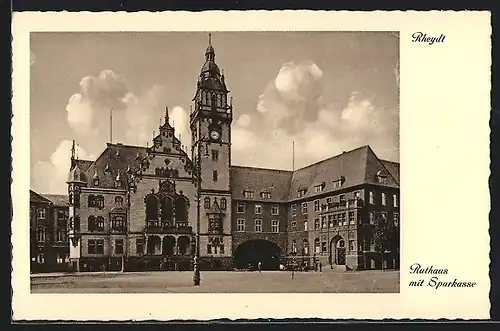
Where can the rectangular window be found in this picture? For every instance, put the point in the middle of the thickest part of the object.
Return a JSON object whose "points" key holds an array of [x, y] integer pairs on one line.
{"points": [[316, 205], [323, 247], [139, 246], [328, 202], [275, 226], [395, 218], [240, 208], [265, 195], [301, 193], [258, 225], [342, 198], [215, 175], [215, 155], [395, 200], [294, 225], [100, 223], [41, 213], [119, 246], [352, 220], [318, 188], [209, 249], [372, 218], [248, 194], [339, 218], [61, 235], [221, 249], [258, 209], [344, 221], [316, 224], [306, 227], [371, 198], [100, 246], [206, 203], [351, 245], [304, 207], [92, 247], [240, 224], [383, 199], [294, 209], [337, 183], [330, 221], [356, 195], [275, 210], [323, 222]]}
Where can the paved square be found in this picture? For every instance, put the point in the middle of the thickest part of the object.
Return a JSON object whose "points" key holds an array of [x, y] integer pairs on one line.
{"points": [[221, 282]]}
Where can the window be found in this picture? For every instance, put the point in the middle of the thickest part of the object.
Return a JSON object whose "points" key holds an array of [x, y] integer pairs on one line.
{"points": [[328, 202], [215, 175], [330, 221], [384, 215], [240, 208], [265, 195], [206, 203], [372, 218], [118, 223], [294, 225], [96, 201], [316, 224], [294, 210], [351, 245], [40, 234], [275, 226], [319, 188], [100, 223], [248, 194], [344, 221], [119, 246], [356, 195], [381, 179], [383, 199], [77, 223], [316, 205], [91, 223], [61, 235], [352, 219], [323, 247], [305, 226], [258, 209], [395, 219], [323, 222], [221, 248], [395, 200], [339, 217], [304, 207], [371, 198], [275, 210], [342, 198], [316, 245], [294, 246], [215, 155], [119, 202], [305, 246], [60, 258], [240, 224], [223, 203], [95, 223], [301, 193], [96, 246], [209, 249], [41, 213], [258, 225], [139, 246]]}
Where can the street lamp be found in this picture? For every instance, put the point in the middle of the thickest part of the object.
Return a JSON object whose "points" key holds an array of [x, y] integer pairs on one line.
{"points": [[131, 187], [197, 173]]}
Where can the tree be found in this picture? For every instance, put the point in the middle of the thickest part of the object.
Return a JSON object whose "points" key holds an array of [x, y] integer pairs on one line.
{"points": [[383, 236]]}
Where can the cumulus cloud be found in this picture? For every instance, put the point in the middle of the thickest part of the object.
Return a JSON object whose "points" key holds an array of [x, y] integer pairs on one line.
{"points": [[179, 118], [51, 175], [292, 109]]}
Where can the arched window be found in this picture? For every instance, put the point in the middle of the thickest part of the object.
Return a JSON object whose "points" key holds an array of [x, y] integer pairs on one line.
{"points": [[40, 234], [181, 210], [316, 245], [166, 209], [305, 246], [223, 204], [341, 243], [119, 202], [206, 203], [151, 208]]}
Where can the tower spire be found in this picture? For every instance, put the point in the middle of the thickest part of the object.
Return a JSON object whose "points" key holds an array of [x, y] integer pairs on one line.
{"points": [[210, 39], [73, 153], [166, 115]]}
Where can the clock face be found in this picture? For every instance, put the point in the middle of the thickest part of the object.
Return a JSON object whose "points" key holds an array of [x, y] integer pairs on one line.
{"points": [[214, 135]]}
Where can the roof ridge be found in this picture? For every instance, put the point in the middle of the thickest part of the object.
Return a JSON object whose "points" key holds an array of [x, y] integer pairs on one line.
{"points": [[333, 157], [260, 168]]}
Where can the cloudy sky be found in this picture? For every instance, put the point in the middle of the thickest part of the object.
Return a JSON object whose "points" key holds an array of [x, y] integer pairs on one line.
{"points": [[327, 91]]}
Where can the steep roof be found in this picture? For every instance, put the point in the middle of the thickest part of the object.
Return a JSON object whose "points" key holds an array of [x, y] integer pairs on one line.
{"points": [[36, 197], [58, 200], [393, 168], [84, 164], [276, 182]]}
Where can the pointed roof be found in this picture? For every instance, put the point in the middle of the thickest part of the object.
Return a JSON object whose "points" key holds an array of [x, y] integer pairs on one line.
{"points": [[36, 197], [215, 209]]}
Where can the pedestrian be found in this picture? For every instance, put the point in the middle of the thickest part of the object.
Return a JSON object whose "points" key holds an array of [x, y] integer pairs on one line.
{"points": [[316, 267], [320, 266], [259, 266]]}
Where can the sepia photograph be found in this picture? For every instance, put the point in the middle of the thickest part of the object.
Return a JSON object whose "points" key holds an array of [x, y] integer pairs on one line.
{"points": [[214, 162]]}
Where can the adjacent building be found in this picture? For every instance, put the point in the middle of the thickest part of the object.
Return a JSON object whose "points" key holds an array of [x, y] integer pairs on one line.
{"points": [[140, 208]]}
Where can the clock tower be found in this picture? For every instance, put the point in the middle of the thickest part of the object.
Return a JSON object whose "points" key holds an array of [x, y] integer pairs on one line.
{"points": [[210, 123]]}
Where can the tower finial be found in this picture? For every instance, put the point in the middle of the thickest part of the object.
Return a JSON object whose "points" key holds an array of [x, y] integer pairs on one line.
{"points": [[166, 115], [72, 162], [210, 39]]}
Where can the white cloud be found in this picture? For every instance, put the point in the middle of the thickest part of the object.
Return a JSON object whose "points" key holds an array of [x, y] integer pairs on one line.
{"points": [[51, 176], [179, 117]]}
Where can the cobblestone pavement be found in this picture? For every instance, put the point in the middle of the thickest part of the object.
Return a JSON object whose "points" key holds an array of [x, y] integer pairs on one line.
{"points": [[220, 282]]}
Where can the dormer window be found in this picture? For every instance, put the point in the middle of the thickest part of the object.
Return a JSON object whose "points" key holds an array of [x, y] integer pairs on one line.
{"points": [[248, 194], [319, 188], [381, 177], [301, 192], [339, 182], [265, 195]]}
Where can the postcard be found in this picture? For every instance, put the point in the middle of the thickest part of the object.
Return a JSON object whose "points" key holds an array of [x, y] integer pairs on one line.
{"points": [[250, 164]]}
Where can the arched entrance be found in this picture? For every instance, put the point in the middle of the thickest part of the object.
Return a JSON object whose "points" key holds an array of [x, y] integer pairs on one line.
{"points": [[250, 253], [183, 243], [337, 250], [154, 245], [168, 246]]}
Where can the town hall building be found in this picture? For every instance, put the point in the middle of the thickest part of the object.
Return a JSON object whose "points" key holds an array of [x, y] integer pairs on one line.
{"points": [[146, 208]]}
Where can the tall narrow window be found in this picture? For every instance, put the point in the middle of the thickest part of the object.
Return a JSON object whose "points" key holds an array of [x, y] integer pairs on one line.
{"points": [[371, 198], [304, 207], [275, 210], [395, 200], [240, 208], [294, 209], [383, 199], [41, 213], [119, 202], [275, 226], [240, 224], [215, 175], [258, 225], [206, 203], [119, 246], [223, 204], [258, 209], [215, 155], [316, 205], [316, 246]]}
